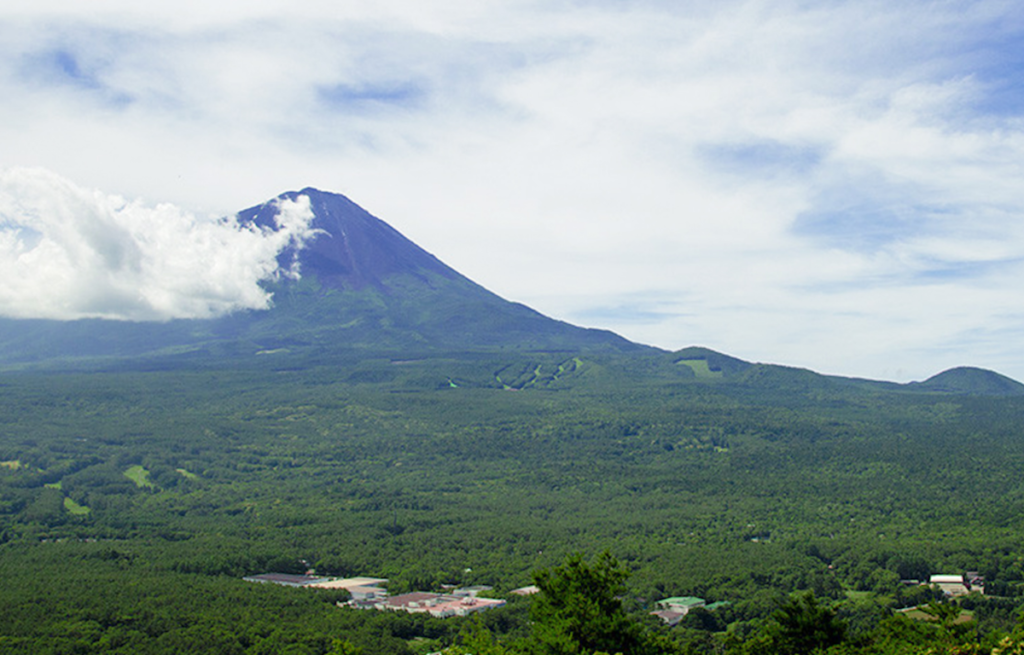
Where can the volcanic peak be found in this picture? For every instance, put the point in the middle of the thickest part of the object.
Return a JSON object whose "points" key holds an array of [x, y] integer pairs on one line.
{"points": [[352, 248]]}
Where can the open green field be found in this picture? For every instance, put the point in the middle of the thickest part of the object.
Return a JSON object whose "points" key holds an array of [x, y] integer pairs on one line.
{"points": [[139, 475], [921, 614], [74, 508]]}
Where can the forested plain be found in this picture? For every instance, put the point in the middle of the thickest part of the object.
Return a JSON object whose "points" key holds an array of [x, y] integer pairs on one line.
{"points": [[134, 498]]}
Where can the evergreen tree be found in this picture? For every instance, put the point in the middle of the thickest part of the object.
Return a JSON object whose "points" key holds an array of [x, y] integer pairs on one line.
{"points": [[578, 610], [800, 627]]}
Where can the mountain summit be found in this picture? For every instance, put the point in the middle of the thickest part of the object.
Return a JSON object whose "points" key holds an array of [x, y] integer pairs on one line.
{"points": [[352, 248]]}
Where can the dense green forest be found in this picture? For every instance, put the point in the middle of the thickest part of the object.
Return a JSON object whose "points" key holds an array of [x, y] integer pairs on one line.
{"points": [[132, 503]]}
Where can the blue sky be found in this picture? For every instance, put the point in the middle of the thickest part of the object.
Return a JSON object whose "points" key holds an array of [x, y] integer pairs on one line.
{"points": [[833, 185]]}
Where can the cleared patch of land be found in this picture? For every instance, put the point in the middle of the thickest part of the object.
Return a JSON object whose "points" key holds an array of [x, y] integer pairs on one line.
{"points": [[700, 368], [139, 475], [918, 614], [74, 508]]}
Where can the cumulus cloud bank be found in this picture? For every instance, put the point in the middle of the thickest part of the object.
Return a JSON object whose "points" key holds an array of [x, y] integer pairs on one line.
{"points": [[68, 253]]}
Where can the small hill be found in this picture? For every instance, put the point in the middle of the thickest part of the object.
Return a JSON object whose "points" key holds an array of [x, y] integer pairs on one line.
{"points": [[970, 381], [708, 364]]}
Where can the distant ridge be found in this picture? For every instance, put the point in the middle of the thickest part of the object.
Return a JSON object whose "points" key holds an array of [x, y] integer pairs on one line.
{"points": [[709, 365]]}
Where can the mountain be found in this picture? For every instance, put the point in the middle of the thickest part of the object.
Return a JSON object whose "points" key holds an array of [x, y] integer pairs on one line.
{"points": [[366, 286], [363, 287]]}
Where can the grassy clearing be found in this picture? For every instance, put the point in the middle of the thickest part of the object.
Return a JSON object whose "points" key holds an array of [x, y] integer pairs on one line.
{"points": [[12, 464], [188, 474], [55, 485], [700, 368], [139, 475], [423, 645], [919, 615], [74, 508]]}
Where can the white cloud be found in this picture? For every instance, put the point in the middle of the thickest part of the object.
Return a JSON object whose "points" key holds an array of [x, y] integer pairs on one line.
{"points": [[68, 253]]}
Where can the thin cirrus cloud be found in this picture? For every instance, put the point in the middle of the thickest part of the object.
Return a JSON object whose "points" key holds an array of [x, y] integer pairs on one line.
{"points": [[60, 67], [833, 185], [370, 98]]}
